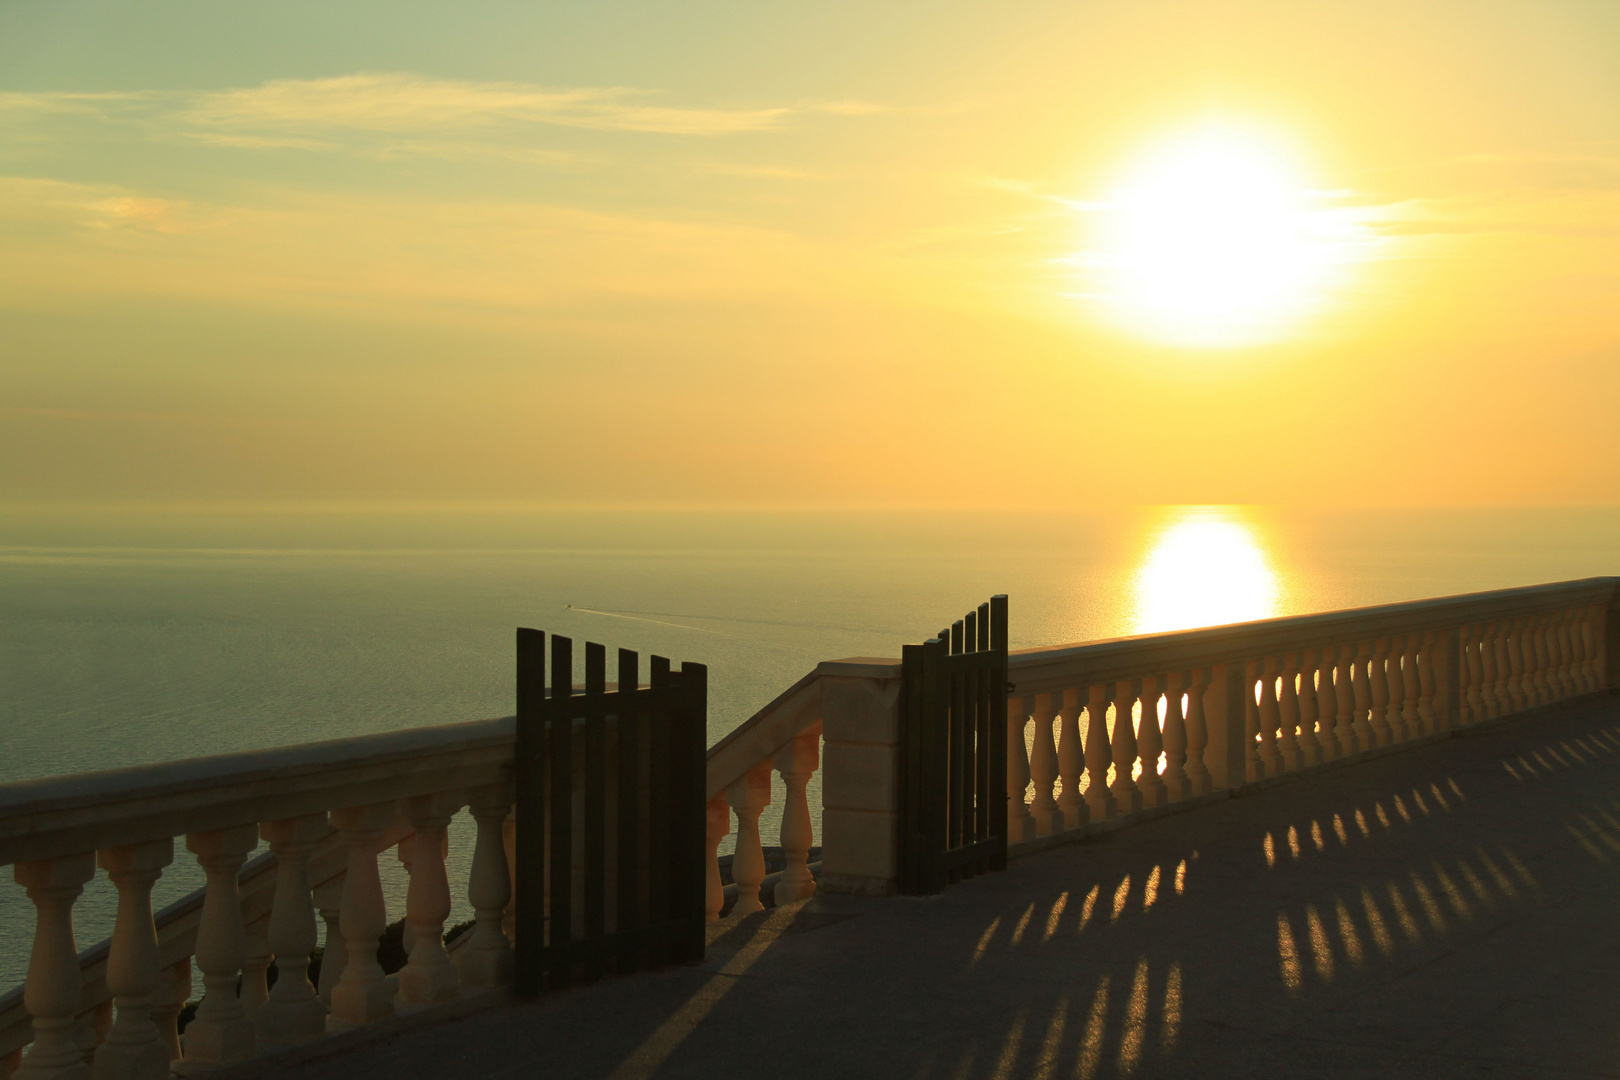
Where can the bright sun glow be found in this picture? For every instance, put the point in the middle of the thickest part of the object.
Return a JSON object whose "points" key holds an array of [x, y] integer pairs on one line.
{"points": [[1205, 567], [1215, 239]]}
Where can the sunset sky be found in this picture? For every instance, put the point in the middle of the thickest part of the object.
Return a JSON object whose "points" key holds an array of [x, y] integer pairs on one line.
{"points": [[1037, 255]]}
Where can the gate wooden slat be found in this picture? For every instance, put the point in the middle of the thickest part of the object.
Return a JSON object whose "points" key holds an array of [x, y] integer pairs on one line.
{"points": [[529, 875], [628, 908], [688, 812], [952, 773], [658, 828], [595, 832], [560, 751]]}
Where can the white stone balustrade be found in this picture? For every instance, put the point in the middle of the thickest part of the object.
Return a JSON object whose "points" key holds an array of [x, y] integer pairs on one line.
{"points": [[1098, 734], [1267, 699], [111, 1013]]}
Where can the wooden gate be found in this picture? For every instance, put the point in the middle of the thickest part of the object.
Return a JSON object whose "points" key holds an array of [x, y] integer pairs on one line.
{"points": [[610, 815], [953, 752]]}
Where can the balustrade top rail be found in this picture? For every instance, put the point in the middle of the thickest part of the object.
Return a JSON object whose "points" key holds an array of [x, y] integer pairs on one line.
{"points": [[1054, 667], [42, 819]]}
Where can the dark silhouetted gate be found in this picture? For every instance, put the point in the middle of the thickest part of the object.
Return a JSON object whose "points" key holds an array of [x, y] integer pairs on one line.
{"points": [[610, 815], [953, 752]]}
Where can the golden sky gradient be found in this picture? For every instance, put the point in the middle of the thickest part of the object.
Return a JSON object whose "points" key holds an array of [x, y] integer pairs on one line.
{"points": [[768, 254]]}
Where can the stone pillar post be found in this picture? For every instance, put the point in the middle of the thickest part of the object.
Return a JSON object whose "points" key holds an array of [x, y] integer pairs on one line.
{"points": [[51, 994], [220, 1033], [429, 976], [796, 763], [361, 994], [860, 758], [293, 1013], [748, 797], [133, 1049], [1226, 719], [486, 959]]}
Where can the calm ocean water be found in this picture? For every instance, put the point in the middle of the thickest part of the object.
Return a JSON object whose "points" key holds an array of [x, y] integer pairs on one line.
{"points": [[137, 636]]}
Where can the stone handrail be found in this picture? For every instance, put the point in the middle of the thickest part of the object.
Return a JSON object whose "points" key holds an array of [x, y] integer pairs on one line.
{"points": [[1224, 706]]}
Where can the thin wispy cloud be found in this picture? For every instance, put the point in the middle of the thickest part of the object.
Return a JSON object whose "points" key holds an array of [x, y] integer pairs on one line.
{"points": [[403, 103], [401, 112]]}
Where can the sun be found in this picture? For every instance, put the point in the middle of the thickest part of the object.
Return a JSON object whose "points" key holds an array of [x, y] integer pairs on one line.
{"points": [[1215, 238]]}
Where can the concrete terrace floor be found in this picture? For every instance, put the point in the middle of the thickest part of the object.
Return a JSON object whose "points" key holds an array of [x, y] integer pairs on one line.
{"points": [[1453, 910]]}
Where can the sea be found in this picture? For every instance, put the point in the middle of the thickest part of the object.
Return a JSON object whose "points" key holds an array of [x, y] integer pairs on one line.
{"points": [[137, 634]]}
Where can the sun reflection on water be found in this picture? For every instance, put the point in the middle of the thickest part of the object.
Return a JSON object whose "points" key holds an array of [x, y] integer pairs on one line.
{"points": [[1204, 566]]}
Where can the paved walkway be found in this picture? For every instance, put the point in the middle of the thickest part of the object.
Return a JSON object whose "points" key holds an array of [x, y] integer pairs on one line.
{"points": [[1453, 910]]}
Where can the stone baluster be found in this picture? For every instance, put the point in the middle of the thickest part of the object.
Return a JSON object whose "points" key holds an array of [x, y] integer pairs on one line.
{"points": [[1198, 777], [1254, 767], [1150, 744], [1487, 671], [1127, 796], [1490, 659], [293, 1013], [1591, 638], [1176, 784], [1409, 688], [1071, 760], [1568, 670], [1558, 654], [1043, 766], [1547, 659], [1361, 682], [1528, 666], [1290, 752], [1590, 633], [796, 763], [221, 1032], [1396, 693], [1378, 680], [1327, 705], [1020, 823], [1099, 800], [1518, 685], [1486, 649], [717, 818], [1428, 718], [168, 1001], [748, 795], [1541, 644], [1518, 676], [1577, 652], [1344, 702], [428, 976], [362, 995], [486, 959], [1472, 674], [53, 988], [133, 1049], [1270, 719], [1526, 649], [329, 902], [1310, 749], [1571, 643]]}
